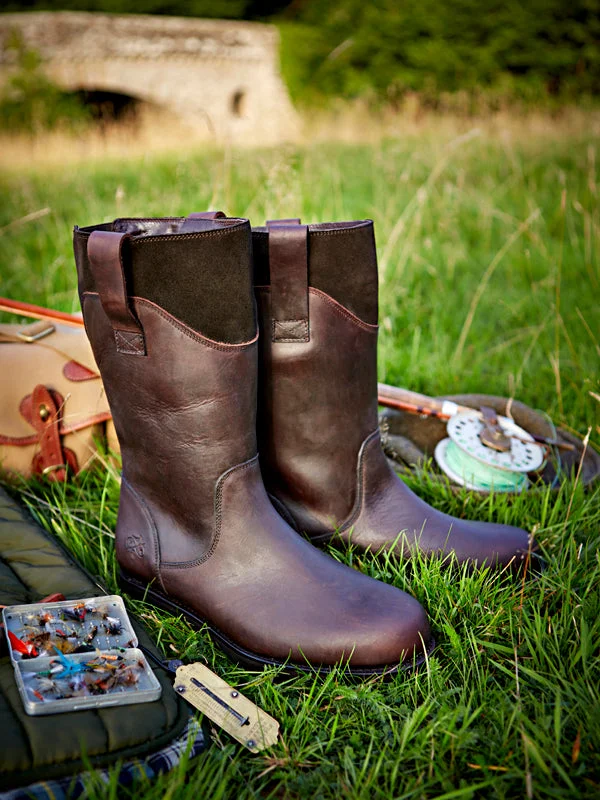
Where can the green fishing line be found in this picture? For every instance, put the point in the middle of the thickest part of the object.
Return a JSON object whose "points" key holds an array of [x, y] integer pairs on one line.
{"points": [[482, 476]]}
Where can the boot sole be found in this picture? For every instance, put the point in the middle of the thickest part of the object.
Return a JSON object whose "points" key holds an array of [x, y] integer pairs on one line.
{"points": [[533, 564], [247, 658]]}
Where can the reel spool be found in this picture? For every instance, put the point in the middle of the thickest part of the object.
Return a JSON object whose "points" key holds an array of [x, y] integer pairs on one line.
{"points": [[468, 461]]}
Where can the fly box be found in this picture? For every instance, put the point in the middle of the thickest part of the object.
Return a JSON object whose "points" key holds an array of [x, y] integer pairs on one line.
{"points": [[79, 654]]}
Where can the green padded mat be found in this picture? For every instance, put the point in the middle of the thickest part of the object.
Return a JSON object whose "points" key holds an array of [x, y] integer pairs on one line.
{"points": [[33, 565]]}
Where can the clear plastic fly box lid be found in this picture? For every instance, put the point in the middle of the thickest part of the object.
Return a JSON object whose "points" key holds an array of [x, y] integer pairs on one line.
{"points": [[77, 654]]}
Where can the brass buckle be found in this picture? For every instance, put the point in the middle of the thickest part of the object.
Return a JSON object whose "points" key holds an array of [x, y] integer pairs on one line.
{"points": [[36, 331], [54, 468]]}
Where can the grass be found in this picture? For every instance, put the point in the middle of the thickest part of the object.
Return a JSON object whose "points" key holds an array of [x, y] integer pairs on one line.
{"points": [[490, 275]]}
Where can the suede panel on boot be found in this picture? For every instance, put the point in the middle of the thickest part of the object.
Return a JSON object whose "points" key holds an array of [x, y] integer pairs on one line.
{"points": [[199, 276], [342, 262]]}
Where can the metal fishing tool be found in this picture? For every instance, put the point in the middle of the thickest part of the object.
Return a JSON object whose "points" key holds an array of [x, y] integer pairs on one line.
{"points": [[483, 451], [226, 706]]}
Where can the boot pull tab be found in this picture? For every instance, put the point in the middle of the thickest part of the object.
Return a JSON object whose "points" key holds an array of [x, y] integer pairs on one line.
{"points": [[199, 221], [206, 215], [275, 223], [288, 266], [105, 253]]}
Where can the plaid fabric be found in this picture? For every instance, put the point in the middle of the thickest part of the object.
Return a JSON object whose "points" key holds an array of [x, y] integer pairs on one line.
{"points": [[191, 742]]}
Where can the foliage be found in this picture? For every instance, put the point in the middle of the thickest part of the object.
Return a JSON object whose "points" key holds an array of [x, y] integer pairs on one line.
{"points": [[30, 102], [539, 51], [298, 48], [533, 49], [219, 9], [508, 706]]}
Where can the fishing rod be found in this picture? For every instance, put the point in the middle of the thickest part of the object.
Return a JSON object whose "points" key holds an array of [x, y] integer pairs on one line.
{"points": [[39, 312]]}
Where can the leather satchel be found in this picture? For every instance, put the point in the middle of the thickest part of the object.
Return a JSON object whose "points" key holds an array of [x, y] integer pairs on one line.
{"points": [[53, 408]]}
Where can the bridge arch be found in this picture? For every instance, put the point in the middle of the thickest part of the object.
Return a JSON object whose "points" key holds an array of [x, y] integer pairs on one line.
{"points": [[216, 75]]}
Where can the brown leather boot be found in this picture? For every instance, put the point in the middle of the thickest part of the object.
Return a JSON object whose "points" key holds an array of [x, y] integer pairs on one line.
{"points": [[169, 310], [321, 457]]}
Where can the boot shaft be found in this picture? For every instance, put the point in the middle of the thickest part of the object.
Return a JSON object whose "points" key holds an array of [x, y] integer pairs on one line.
{"points": [[317, 382]]}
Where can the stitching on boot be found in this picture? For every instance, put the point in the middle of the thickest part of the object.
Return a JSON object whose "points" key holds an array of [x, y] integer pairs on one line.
{"points": [[343, 311], [284, 512], [226, 347], [218, 518], [130, 343], [358, 503], [339, 309], [150, 519], [182, 236], [290, 330]]}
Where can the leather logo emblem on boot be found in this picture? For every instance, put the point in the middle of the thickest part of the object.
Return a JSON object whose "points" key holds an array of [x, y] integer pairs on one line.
{"points": [[135, 544]]}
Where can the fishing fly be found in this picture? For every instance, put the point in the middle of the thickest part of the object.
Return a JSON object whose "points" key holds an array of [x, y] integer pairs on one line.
{"points": [[68, 650], [113, 626]]}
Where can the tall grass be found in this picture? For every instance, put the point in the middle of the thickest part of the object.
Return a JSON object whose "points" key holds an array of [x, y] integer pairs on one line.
{"points": [[488, 239]]}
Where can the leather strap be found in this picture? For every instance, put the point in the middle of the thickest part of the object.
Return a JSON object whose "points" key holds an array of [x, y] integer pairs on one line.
{"points": [[51, 460], [206, 215], [105, 253], [273, 223], [74, 371], [288, 266], [199, 221]]}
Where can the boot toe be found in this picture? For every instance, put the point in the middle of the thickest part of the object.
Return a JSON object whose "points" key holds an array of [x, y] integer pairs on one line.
{"points": [[393, 628], [492, 545], [406, 633]]}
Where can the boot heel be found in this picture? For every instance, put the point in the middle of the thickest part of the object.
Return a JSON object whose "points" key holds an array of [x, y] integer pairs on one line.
{"points": [[138, 590]]}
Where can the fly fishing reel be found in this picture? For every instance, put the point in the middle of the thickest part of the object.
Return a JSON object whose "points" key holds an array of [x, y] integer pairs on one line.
{"points": [[486, 452], [482, 450]]}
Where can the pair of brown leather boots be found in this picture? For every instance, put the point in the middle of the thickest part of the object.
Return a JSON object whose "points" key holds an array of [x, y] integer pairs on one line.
{"points": [[207, 530]]}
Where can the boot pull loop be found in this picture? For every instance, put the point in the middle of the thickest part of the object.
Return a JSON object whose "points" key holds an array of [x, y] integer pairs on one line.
{"points": [[206, 215], [288, 265], [274, 223], [105, 253], [198, 221]]}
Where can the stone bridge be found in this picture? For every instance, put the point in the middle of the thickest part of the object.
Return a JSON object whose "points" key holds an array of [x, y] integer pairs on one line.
{"points": [[222, 77]]}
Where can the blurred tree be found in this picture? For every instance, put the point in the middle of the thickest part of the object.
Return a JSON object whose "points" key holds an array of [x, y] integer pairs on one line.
{"points": [[219, 9], [532, 49], [30, 102], [390, 46]]}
